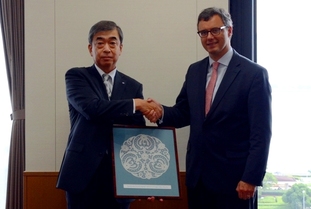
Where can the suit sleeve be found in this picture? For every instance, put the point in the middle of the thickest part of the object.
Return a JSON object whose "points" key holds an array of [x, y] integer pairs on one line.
{"points": [[86, 97], [178, 115], [259, 109]]}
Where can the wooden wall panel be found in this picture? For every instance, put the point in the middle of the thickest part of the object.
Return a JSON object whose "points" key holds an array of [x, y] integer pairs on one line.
{"points": [[40, 193]]}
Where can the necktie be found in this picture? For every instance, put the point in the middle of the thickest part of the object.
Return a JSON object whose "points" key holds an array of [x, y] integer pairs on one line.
{"points": [[108, 83], [210, 88]]}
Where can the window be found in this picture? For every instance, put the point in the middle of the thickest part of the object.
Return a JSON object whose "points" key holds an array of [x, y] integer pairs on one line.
{"points": [[283, 49]]}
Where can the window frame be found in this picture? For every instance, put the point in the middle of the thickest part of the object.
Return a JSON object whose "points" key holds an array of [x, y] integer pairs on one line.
{"points": [[244, 16]]}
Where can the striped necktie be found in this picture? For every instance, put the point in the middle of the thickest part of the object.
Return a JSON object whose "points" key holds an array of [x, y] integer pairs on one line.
{"points": [[108, 83]]}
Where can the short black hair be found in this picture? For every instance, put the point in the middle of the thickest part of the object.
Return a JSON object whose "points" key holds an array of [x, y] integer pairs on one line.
{"points": [[104, 25]]}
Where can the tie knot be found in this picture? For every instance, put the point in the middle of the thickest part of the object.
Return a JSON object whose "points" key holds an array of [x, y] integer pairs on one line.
{"points": [[215, 65], [106, 77]]}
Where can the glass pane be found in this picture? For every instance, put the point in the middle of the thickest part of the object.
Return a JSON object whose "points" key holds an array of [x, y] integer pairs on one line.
{"points": [[283, 48]]}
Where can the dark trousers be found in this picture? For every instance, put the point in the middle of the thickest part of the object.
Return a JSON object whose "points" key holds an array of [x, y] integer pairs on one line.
{"points": [[200, 198], [99, 193]]}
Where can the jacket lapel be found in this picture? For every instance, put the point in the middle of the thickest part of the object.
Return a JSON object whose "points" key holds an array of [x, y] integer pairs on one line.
{"points": [[97, 81], [118, 86], [231, 73], [202, 83]]}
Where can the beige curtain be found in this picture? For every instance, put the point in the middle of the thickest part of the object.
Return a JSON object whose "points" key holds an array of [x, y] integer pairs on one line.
{"points": [[12, 23]]}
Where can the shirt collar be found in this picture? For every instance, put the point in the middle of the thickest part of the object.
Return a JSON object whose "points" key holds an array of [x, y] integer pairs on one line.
{"points": [[224, 60], [112, 73]]}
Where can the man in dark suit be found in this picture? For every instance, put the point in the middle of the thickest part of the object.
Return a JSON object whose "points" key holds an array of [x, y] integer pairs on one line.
{"points": [[86, 170], [228, 145]]}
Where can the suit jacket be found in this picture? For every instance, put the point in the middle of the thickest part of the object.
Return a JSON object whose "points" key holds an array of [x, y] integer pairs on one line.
{"points": [[92, 116], [232, 142]]}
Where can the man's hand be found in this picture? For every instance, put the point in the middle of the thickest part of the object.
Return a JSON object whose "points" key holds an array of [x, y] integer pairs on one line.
{"points": [[158, 115], [149, 108], [245, 190]]}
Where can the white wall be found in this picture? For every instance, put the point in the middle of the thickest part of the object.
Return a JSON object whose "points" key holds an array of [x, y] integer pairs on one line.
{"points": [[160, 42]]}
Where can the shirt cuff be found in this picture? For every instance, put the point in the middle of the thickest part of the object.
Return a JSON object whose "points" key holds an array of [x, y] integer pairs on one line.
{"points": [[134, 105], [160, 120]]}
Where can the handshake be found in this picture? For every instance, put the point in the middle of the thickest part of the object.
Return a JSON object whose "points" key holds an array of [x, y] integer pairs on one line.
{"points": [[151, 109]]}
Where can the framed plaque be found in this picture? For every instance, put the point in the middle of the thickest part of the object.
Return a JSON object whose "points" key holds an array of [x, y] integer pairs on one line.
{"points": [[145, 162]]}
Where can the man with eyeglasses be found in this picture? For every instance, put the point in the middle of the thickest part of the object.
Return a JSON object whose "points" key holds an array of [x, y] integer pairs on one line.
{"points": [[230, 125]]}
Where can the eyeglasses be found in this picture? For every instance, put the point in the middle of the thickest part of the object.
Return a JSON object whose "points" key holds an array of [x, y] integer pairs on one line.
{"points": [[213, 31]]}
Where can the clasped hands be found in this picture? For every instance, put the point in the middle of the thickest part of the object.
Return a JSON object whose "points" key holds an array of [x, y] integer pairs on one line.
{"points": [[151, 109]]}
